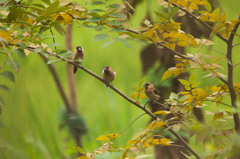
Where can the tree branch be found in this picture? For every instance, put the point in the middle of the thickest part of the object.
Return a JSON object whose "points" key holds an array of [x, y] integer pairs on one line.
{"points": [[184, 143], [59, 86], [230, 78]]}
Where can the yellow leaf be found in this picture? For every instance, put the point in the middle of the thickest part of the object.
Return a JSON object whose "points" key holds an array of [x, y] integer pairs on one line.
{"points": [[113, 136], [155, 125], [182, 37], [204, 17], [218, 115], [216, 12], [167, 74], [165, 142], [103, 137], [132, 142], [134, 95], [83, 157], [222, 18], [171, 39], [67, 18], [173, 34], [162, 112], [193, 6], [5, 35], [192, 42], [182, 43], [177, 72], [142, 96], [156, 142], [150, 32]]}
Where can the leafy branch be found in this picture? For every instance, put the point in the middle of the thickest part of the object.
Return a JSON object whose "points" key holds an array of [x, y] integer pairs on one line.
{"points": [[185, 144]]}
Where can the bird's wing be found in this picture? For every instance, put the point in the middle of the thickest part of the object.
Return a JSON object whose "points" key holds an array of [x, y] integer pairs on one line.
{"points": [[156, 92]]}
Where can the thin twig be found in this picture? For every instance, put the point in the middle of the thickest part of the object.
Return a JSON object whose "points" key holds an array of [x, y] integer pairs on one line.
{"points": [[216, 102], [132, 123], [236, 64], [215, 50], [7, 3], [236, 44], [53, 40]]}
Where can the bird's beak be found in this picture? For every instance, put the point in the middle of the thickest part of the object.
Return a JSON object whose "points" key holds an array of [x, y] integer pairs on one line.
{"points": [[79, 49], [145, 86]]}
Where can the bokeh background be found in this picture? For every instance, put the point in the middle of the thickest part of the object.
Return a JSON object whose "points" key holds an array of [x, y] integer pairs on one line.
{"points": [[32, 114]]}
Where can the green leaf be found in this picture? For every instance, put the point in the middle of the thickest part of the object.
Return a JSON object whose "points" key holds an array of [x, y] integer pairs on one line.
{"points": [[22, 45], [115, 22], [2, 28], [95, 10], [53, 61], [194, 85], [97, 27], [184, 82], [3, 52], [5, 88], [52, 7], [20, 53], [38, 50], [100, 37], [124, 42], [118, 30], [173, 96], [173, 12], [80, 150], [14, 64], [59, 29], [44, 17], [54, 44], [8, 75], [46, 1], [108, 43], [192, 79], [208, 6], [117, 15], [94, 19], [97, 3], [114, 6]]}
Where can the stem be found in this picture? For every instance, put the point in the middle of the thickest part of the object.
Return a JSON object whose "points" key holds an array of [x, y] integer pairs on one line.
{"points": [[230, 78]]}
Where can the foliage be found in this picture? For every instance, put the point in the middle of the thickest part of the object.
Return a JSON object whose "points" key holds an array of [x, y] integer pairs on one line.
{"points": [[23, 28]]}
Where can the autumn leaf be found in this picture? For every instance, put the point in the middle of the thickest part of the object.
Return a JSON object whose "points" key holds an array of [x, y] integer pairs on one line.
{"points": [[165, 142]]}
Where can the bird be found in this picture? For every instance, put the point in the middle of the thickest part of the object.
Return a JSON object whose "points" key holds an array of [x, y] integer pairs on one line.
{"points": [[108, 74], [151, 92], [78, 57]]}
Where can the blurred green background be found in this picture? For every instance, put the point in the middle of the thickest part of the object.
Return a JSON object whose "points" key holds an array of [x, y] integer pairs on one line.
{"points": [[33, 109]]}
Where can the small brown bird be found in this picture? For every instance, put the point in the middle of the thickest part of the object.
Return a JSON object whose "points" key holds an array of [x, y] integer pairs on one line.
{"points": [[108, 74], [151, 92], [78, 57]]}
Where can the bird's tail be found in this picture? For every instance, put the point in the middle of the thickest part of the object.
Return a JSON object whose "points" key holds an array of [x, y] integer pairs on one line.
{"points": [[75, 69]]}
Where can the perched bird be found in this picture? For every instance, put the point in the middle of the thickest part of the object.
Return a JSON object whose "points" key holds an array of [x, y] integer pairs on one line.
{"points": [[108, 74], [78, 57], [151, 92]]}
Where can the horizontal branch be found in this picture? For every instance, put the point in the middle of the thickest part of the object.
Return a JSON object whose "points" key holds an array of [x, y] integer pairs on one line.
{"points": [[121, 94]]}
